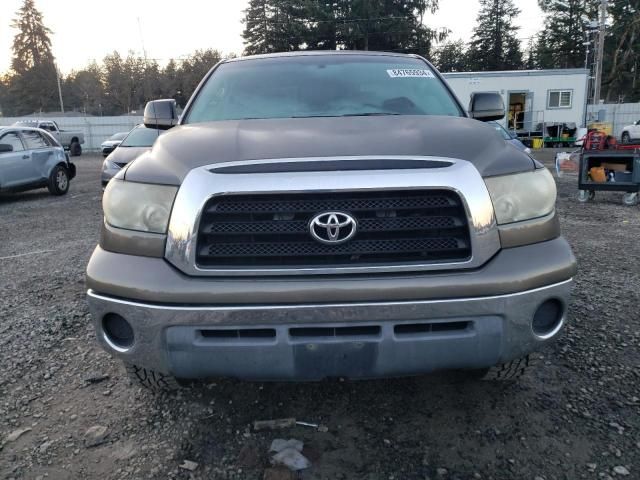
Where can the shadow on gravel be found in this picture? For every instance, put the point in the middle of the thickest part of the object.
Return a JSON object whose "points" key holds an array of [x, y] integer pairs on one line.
{"points": [[32, 195], [361, 434]]}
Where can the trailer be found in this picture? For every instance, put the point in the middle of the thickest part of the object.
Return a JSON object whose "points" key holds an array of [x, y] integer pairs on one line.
{"points": [[544, 106]]}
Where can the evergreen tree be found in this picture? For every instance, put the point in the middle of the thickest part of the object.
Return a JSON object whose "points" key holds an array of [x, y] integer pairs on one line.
{"points": [[494, 45], [621, 81], [531, 60], [83, 90], [561, 44], [285, 25], [451, 57], [195, 67], [275, 26], [33, 85], [31, 45]]}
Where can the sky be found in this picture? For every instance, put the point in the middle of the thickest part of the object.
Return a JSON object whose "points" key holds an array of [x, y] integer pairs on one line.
{"points": [[86, 30]]}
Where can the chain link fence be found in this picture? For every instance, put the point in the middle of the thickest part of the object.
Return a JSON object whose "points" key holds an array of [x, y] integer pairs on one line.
{"points": [[95, 129]]}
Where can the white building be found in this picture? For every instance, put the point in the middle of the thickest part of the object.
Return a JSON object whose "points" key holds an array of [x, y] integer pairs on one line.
{"points": [[532, 97]]}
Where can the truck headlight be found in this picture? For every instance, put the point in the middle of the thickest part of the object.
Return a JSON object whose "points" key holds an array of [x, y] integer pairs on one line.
{"points": [[138, 206], [522, 196]]}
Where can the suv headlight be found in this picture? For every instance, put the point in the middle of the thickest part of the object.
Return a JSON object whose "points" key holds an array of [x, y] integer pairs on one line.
{"points": [[522, 196], [109, 165], [138, 206]]}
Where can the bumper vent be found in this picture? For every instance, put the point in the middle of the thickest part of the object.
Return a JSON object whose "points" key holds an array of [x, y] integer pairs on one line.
{"points": [[272, 230]]}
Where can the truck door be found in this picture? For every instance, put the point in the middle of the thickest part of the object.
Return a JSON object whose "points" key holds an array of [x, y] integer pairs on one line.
{"points": [[15, 164]]}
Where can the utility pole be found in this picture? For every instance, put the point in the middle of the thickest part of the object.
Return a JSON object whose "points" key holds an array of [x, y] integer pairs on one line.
{"points": [[600, 52], [59, 88]]}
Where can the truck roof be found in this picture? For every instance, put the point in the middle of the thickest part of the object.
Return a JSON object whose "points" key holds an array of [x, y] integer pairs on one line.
{"points": [[322, 53]]}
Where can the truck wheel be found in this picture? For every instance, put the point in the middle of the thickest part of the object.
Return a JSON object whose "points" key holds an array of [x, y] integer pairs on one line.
{"points": [[512, 370], [155, 381], [75, 149], [58, 181]]}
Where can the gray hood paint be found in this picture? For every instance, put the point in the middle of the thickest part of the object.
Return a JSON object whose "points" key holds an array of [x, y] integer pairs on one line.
{"points": [[189, 146]]}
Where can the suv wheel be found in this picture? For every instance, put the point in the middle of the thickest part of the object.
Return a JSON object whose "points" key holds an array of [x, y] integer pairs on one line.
{"points": [[626, 138], [151, 379], [58, 181]]}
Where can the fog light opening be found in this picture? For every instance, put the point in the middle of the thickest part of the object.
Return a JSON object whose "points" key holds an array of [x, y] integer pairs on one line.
{"points": [[548, 318], [117, 332]]}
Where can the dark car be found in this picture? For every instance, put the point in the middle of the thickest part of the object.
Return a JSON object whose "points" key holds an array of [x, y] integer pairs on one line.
{"points": [[136, 142], [111, 143], [510, 137]]}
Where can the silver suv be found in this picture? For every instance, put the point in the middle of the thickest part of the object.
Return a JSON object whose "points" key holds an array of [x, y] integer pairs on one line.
{"points": [[334, 214], [31, 158]]}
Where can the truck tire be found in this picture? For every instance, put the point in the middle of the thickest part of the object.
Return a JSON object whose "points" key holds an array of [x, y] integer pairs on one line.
{"points": [[511, 371], [75, 149], [58, 180], [152, 380]]}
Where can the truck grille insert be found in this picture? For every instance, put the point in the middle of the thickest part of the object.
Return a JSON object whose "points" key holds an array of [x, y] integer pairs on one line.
{"points": [[272, 230]]}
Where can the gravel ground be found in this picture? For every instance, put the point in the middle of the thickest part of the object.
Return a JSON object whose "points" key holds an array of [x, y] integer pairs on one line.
{"points": [[577, 416]]}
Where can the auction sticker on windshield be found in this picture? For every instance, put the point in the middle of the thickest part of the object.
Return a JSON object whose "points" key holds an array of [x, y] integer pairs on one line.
{"points": [[410, 73]]}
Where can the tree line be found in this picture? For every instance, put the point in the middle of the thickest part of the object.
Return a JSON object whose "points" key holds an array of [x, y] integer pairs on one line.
{"points": [[120, 85]]}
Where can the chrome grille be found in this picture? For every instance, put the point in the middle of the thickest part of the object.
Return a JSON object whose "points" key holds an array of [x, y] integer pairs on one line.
{"points": [[394, 227]]}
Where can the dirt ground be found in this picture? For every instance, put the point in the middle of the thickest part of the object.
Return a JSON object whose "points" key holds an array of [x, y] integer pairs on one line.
{"points": [[577, 416]]}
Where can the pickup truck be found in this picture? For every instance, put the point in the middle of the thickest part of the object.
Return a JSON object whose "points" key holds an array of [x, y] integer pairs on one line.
{"points": [[328, 215], [69, 139], [631, 133]]}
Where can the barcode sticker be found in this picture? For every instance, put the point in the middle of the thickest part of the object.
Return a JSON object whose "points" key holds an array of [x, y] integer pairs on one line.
{"points": [[410, 73]]}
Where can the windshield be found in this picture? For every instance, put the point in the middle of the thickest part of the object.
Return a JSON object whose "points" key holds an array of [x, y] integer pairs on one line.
{"points": [[322, 86], [141, 137], [118, 136]]}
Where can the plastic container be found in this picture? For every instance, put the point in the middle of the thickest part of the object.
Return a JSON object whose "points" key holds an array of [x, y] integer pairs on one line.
{"points": [[623, 176]]}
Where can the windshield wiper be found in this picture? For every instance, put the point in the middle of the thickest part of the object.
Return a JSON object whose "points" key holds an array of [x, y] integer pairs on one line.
{"points": [[369, 114], [364, 114]]}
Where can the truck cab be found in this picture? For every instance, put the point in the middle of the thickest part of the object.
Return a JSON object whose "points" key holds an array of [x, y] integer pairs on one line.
{"points": [[328, 214]]}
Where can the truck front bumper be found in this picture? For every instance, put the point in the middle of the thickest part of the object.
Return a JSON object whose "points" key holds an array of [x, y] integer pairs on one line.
{"points": [[307, 339]]}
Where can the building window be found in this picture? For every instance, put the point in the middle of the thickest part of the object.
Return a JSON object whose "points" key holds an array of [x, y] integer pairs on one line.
{"points": [[560, 98]]}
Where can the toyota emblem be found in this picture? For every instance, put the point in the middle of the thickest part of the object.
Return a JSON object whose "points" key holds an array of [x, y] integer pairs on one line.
{"points": [[333, 228]]}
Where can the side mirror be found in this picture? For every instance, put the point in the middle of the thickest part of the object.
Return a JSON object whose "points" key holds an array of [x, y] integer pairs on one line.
{"points": [[160, 114], [5, 147], [486, 106]]}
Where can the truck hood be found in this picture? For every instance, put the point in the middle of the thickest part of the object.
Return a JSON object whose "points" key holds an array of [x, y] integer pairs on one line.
{"points": [[190, 146]]}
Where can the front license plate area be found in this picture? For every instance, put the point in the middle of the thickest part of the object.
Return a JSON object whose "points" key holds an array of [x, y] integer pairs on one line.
{"points": [[321, 360]]}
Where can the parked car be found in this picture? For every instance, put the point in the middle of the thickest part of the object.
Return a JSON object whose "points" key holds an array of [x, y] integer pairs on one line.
{"points": [[137, 141], [111, 143], [31, 158], [510, 137], [631, 133], [581, 133], [328, 214], [71, 140]]}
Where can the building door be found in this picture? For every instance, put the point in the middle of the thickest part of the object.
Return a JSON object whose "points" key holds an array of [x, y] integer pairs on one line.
{"points": [[520, 115]]}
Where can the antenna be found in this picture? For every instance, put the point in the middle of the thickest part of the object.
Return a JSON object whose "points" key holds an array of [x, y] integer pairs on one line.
{"points": [[144, 51]]}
